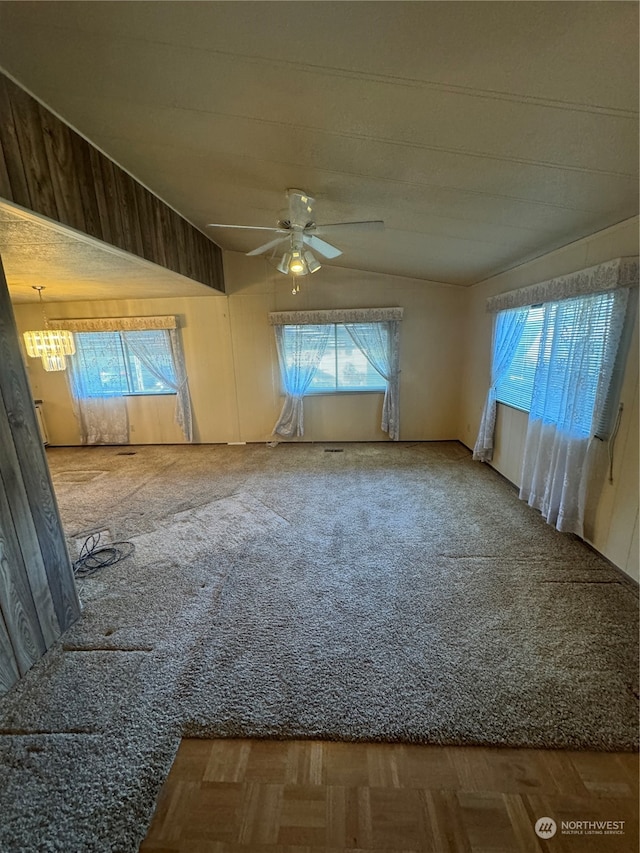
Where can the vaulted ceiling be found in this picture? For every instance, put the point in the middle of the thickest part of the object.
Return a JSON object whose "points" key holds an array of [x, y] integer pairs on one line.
{"points": [[483, 133]]}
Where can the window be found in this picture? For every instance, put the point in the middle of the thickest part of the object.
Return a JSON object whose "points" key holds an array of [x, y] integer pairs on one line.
{"points": [[110, 365], [343, 367], [556, 336], [516, 387]]}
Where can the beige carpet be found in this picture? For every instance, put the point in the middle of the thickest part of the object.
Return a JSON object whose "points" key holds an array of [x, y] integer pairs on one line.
{"points": [[385, 592]]}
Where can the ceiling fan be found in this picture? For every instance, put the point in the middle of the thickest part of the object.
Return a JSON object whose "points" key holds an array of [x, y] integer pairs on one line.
{"points": [[299, 235]]}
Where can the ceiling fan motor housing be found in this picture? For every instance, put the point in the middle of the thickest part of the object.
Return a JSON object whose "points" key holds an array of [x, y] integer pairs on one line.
{"points": [[288, 225], [300, 209]]}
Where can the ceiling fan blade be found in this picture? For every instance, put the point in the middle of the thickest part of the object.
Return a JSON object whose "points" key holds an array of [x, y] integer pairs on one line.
{"points": [[267, 246], [368, 225], [321, 246], [245, 227]]}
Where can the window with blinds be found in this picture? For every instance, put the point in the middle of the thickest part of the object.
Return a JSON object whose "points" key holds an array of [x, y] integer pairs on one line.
{"points": [[555, 334], [516, 388]]}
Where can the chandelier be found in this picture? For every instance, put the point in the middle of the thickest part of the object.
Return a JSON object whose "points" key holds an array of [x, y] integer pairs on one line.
{"points": [[50, 345]]}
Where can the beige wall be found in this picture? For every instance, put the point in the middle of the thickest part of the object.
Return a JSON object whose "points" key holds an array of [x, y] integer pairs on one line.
{"points": [[232, 362], [615, 531], [207, 347], [430, 351]]}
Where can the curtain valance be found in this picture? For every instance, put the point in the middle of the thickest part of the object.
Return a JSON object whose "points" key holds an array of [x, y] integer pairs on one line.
{"points": [[344, 315], [620, 272], [116, 324]]}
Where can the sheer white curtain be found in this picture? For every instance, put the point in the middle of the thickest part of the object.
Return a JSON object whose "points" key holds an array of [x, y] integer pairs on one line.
{"points": [[507, 332], [579, 345], [300, 350], [174, 375], [380, 344], [102, 419]]}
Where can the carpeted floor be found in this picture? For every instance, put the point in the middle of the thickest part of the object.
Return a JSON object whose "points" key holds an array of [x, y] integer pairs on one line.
{"points": [[385, 592]]}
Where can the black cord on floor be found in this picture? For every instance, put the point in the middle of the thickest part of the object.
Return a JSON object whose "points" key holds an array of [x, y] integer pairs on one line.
{"points": [[93, 557]]}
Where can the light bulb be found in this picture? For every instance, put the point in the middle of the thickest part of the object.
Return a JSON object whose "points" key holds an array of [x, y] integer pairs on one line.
{"points": [[297, 264]]}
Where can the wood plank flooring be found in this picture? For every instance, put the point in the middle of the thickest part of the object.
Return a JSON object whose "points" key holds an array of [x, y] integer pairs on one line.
{"points": [[233, 796]]}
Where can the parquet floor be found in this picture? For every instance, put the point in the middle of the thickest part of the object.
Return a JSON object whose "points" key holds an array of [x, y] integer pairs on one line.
{"points": [[234, 796]]}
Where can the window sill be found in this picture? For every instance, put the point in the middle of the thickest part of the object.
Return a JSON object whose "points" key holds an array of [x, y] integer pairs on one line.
{"points": [[345, 392], [148, 394], [512, 406], [128, 394]]}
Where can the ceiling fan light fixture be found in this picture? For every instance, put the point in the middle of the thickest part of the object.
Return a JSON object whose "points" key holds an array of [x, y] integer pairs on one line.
{"points": [[283, 266], [313, 265], [297, 263]]}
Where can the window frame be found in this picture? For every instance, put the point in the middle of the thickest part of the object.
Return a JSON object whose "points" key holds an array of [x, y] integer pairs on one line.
{"points": [[126, 355], [327, 392], [545, 319]]}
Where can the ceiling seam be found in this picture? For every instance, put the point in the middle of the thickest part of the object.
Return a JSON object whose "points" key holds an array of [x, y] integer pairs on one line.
{"points": [[446, 88], [317, 131], [390, 79], [400, 181]]}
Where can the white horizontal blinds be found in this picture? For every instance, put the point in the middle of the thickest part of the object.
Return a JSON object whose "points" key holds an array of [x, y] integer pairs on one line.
{"points": [[558, 334], [344, 367], [575, 332], [516, 387], [605, 420]]}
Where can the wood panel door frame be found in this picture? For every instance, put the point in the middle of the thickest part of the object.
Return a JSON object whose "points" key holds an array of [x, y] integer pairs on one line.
{"points": [[38, 597]]}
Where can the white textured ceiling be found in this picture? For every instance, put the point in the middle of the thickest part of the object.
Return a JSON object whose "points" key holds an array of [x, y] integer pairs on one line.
{"points": [[36, 252], [483, 133]]}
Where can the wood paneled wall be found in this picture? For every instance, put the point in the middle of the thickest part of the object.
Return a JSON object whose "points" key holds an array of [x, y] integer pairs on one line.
{"points": [[38, 599], [47, 167]]}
